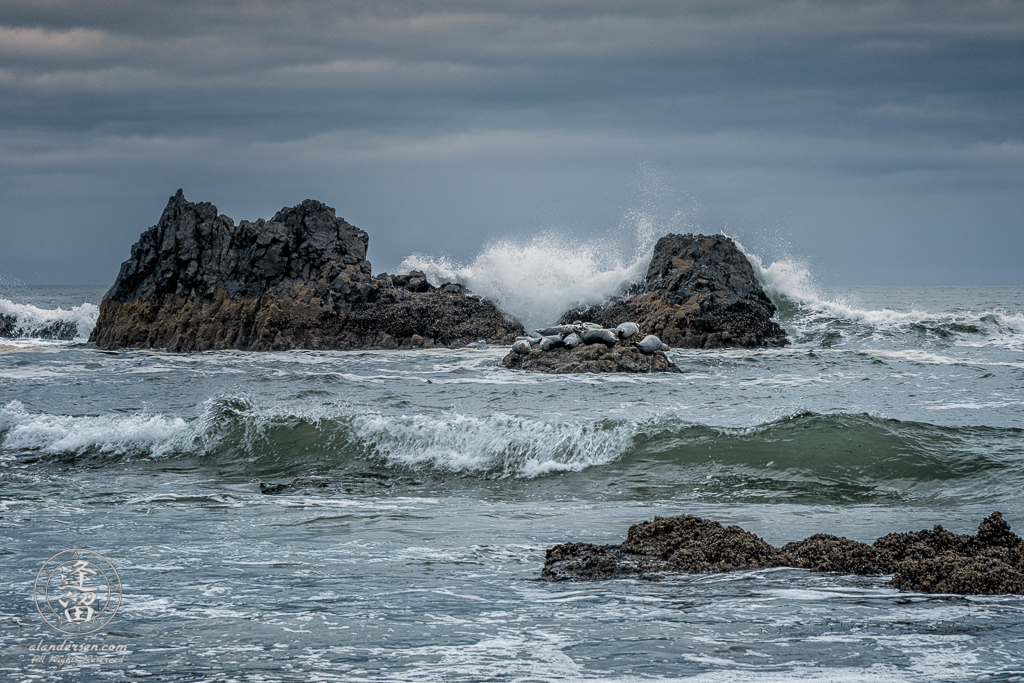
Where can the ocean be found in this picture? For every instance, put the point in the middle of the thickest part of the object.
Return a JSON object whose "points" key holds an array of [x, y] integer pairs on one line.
{"points": [[410, 497]]}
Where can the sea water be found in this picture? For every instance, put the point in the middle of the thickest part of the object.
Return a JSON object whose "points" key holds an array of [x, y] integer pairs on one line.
{"points": [[417, 491]]}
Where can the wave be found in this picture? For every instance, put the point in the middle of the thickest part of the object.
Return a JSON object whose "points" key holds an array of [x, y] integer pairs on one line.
{"points": [[236, 435], [28, 321], [844, 446], [141, 434], [537, 280], [817, 318]]}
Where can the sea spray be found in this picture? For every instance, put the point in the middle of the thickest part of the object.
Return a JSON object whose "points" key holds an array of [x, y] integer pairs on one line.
{"points": [[536, 280], [133, 435], [812, 316], [28, 321]]}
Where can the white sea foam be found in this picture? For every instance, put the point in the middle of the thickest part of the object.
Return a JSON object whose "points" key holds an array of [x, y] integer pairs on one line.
{"points": [[790, 285], [498, 444], [536, 280], [136, 434], [34, 322], [511, 446]]}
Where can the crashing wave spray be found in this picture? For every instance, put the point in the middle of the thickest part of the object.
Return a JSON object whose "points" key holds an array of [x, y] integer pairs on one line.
{"points": [[790, 285], [26, 320], [536, 280]]}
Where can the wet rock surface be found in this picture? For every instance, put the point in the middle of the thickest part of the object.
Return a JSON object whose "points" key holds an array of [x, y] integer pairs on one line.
{"points": [[700, 292], [196, 281], [936, 561], [590, 358]]}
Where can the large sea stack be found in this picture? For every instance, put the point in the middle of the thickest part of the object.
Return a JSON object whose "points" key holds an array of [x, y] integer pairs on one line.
{"points": [[196, 281], [700, 293]]}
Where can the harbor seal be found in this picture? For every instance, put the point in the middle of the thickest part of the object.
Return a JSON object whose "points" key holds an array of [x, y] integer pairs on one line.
{"points": [[607, 337], [650, 344], [522, 347], [572, 341], [627, 330], [549, 342]]}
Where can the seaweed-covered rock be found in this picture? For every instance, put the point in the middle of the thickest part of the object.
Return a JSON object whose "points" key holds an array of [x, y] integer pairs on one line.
{"points": [[592, 358], [696, 545], [827, 553], [196, 281], [937, 561], [700, 292], [586, 561]]}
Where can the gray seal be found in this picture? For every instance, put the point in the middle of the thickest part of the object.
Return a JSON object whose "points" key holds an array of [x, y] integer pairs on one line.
{"points": [[533, 340], [572, 341], [607, 337], [627, 330], [549, 342], [650, 344], [522, 346]]}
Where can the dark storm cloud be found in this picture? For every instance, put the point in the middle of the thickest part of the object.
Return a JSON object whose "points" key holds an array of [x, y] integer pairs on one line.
{"points": [[748, 103], [150, 64]]}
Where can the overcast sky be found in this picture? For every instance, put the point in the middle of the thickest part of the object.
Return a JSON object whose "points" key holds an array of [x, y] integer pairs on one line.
{"points": [[882, 142]]}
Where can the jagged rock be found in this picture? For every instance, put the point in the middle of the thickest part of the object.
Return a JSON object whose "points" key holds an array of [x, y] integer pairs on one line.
{"points": [[593, 358], [700, 292], [936, 561], [196, 281]]}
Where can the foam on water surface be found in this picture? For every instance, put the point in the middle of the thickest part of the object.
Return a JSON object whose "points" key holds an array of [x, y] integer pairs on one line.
{"points": [[28, 321]]}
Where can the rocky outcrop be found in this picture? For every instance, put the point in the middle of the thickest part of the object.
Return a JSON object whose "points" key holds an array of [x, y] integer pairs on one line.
{"points": [[937, 561], [700, 292], [196, 281], [593, 358]]}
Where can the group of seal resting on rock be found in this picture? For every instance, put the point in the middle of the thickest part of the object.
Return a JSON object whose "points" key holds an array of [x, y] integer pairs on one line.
{"points": [[700, 293], [588, 347], [937, 561]]}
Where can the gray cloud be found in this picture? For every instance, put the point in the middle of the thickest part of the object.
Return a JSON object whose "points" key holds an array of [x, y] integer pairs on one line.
{"points": [[443, 125]]}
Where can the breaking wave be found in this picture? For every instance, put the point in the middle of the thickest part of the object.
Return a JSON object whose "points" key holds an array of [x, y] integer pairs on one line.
{"points": [[32, 322], [538, 279], [814, 317], [234, 434]]}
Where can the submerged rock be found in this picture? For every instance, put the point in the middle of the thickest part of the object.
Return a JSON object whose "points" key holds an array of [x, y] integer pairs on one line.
{"points": [[936, 561], [590, 358], [700, 292], [196, 281]]}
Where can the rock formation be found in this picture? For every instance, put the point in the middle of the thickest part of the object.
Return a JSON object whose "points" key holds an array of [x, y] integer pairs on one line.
{"points": [[937, 561], [593, 358], [196, 281], [700, 292]]}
